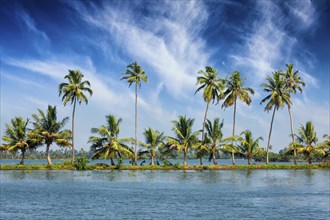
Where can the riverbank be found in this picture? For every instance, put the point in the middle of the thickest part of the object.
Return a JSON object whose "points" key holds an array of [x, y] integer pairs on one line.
{"points": [[65, 166]]}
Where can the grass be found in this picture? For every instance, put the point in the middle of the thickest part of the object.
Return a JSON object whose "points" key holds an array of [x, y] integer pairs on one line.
{"points": [[69, 166]]}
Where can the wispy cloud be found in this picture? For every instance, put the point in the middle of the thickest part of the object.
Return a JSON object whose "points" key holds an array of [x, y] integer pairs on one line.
{"points": [[30, 23], [169, 43], [269, 45]]}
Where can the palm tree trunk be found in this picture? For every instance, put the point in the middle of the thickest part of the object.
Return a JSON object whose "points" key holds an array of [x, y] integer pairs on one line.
{"points": [[292, 135], [309, 158], [48, 154], [184, 158], [232, 142], [214, 160], [112, 162], [23, 157], [270, 133], [136, 128], [73, 111], [152, 158], [205, 116], [203, 134], [249, 160]]}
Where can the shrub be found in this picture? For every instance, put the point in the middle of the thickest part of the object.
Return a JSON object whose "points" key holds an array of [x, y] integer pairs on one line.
{"points": [[80, 163]]}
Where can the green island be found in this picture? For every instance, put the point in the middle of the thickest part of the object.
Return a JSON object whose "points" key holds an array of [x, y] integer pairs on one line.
{"points": [[208, 142]]}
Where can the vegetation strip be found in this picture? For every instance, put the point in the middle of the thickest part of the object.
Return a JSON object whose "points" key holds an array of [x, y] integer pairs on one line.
{"points": [[64, 166]]}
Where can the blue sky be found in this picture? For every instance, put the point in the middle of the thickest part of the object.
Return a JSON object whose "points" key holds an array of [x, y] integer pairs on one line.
{"points": [[172, 41]]}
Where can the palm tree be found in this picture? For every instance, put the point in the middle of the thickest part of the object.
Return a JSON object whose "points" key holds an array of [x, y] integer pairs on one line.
{"points": [[134, 74], [214, 138], [17, 137], [293, 82], [107, 145], [249, 146], [74, 91], [213, 87], [278, 96], [307, 141], [154, 139], [184, 137], [234, 90], [49, 130]]}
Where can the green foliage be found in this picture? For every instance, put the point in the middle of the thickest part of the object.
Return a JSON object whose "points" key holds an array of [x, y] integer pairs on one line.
{"points": [[166, 163], [178, 166], [80, 163], [107, 145]]}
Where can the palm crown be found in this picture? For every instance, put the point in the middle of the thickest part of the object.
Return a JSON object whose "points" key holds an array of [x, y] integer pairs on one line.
{"points": [[279, 95], [210, 83], [134, 74], [154, 139], [49, 130], [235, 89], [184, 137], [75, 88], [17, 137], [293, 80], [248, 145], [107, 145]]}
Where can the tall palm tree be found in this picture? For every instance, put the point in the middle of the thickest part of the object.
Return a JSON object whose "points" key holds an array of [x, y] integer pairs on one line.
{"points": [[307, 141], [107, 145], [293, 82], [234, 90], [17, 137], [249, 146], [279, 95], [213, 87], [74, 90], [154, 139], [184, 138], [134, 74], [49, 130], [214, 138]]}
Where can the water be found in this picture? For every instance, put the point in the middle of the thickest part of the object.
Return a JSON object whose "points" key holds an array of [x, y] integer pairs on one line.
{"points": [[226, 194]]}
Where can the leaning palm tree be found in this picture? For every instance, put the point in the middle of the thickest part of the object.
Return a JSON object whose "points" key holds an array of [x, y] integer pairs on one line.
{"points": [[279, 95], [249, 146], [213, 87], [107, 145], [49, 130], [134, 74], [307, 141], [74, 91], [234, 91], [153, 140], [184, 138], [214, 138], [293, 82], [17, 137]]}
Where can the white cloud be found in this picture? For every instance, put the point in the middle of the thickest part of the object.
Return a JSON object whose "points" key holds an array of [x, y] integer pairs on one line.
{"points": [[169, 44]]}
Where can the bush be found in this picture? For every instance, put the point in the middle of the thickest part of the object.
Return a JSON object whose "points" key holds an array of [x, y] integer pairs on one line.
{"points": [[80, 163]]}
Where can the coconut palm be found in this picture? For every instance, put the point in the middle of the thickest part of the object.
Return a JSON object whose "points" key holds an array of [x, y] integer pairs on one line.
{"points": [[134, 74], [249, 146], [235, 91], [74, 91], [293, 83], [17, 137], [214, 138], [107, 145], [184, 138], [279, 95], [153, 140], [213, 87], [307, 141], [49, 130]]}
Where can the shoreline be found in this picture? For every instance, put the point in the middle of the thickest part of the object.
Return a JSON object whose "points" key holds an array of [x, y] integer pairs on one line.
{"points": [[325, 166]]}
